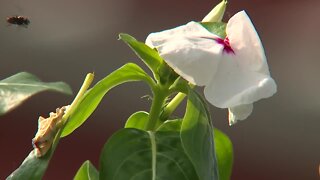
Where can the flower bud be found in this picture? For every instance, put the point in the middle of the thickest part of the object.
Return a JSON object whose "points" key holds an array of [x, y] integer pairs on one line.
{"points": [[216, 14]]}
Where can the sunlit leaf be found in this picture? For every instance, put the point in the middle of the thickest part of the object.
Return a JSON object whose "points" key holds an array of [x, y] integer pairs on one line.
{"points": [[128, 72], [224, 152], [197, 137], [87, 172], [148, 55], [17, 88], [139, 155]]}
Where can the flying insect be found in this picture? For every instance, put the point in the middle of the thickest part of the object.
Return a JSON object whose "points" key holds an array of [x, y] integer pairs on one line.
{"points": [[18, 20]]}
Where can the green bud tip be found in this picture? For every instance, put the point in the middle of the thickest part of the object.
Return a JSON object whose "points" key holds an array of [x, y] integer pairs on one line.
{"points": [[216, 14]]}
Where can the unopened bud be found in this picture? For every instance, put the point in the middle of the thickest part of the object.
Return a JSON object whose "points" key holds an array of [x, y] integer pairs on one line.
{"points": [[216, 14]]}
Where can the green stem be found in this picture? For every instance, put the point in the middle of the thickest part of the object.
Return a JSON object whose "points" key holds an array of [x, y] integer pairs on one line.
{"points": [[87, 82], [173, 104], [159, 97]]}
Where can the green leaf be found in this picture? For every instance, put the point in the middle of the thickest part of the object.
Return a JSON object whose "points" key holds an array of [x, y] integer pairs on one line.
{"points": [[197, 137], [218, 28], [148, 55], [224, 152], [87, 172], [171, 125], [19, 87], [128, 72], [139, 155], [222, 144], [137, 120]]}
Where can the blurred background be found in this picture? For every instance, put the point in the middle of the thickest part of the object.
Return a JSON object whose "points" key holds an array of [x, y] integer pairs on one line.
{"points": [[67, 39]]}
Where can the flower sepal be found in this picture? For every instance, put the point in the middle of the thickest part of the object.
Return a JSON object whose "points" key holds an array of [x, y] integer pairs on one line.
{"points": [[217, 28], [166, 74]]}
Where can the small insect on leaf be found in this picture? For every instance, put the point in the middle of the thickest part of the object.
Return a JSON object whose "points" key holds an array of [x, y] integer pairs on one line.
{"points": [[47, 130], [18, 20]]}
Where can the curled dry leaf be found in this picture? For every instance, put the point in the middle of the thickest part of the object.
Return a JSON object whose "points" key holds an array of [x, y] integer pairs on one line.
{"points": [[47, 129]]}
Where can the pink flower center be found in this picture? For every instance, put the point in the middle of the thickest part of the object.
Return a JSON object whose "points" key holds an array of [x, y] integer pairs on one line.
{"points": [[224, 42], [226, 45]]}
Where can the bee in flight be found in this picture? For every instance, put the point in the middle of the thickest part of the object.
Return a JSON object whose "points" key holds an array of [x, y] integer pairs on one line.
{"points": [[18, 20]]}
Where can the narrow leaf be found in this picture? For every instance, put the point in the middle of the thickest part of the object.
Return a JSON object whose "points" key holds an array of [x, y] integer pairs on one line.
{"points": [[139, 155], [17, 88], [87, 172], [148, 55], [128, 72], [224, 152], [197, 137]]}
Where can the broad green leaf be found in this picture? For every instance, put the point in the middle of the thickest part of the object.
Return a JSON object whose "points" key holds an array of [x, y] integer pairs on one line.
{"points": [[137, 120], [33, 167], [148, 55], [139, 155], [224, 152], [19, 87], [222, 144], [197, 137], [87, 172], [218, 28], [128, 72]]}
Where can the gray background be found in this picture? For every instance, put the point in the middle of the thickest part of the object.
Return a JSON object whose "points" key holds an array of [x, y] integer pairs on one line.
{"points": [[67, 39]]}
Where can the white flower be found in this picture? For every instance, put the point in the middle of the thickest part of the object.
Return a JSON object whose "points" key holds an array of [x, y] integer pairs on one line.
{"points": [[233, 70]]}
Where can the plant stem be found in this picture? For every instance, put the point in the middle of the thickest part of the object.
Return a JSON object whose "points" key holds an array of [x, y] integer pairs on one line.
{"points": [[87, 82], [172, 105], [159, 96]]}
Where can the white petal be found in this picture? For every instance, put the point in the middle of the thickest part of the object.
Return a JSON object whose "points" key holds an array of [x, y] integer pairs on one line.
{"points": [[239, 113], [246, 43], [192, 29], [243, 77], [234, 85], [190, 50]]}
